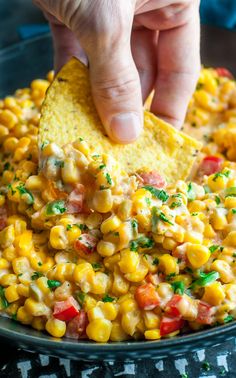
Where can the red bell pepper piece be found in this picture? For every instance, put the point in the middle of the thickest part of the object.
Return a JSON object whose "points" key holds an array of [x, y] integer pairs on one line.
{"points": [[147, 297], [66, 310], [169, 325]]}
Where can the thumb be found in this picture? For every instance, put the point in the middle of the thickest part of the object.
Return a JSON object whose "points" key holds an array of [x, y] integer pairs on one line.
{"points": [[117, 93]]}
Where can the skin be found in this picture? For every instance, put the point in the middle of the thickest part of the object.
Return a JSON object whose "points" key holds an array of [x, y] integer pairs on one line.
{"points": [[132, 48]]}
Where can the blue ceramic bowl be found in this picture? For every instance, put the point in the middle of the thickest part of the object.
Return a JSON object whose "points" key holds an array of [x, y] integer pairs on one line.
{"points": [[18, 66]]}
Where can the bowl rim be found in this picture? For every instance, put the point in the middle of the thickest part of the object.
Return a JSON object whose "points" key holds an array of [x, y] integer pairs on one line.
{"points": [[130, 345]]}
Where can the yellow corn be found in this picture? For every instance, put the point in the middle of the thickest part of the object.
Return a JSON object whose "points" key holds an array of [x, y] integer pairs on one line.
{"points": [[56, 327], [197, 255], [110, 224], [153, 334], [11, 293], [129, 261], [168, 264], [214, 294], [99, 330], [58, 239], [23, 316], [106, 248], [117, 332], [103, 200]]}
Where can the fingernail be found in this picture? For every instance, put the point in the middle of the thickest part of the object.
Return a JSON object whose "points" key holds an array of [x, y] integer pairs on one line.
{"points": [[125, 127]]}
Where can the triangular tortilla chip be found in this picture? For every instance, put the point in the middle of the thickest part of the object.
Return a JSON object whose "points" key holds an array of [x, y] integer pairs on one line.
{"points": [[68, 113]]}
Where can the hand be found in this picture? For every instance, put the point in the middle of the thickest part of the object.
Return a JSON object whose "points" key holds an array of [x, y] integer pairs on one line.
{"points": [[128, 42]]}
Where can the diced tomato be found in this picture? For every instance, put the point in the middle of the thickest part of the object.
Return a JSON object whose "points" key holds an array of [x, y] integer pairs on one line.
{"points": [[210, 165], [75, 200], [147, 297], [205, 312], [3, 217], [169, 325], [66, 310], [76, 328], [224, 72], [172, 307], [86, 244], [152, 178], [153, 278]]}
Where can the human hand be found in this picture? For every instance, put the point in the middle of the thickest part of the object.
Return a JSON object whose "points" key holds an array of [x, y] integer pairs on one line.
{"points": [[128, 43]]}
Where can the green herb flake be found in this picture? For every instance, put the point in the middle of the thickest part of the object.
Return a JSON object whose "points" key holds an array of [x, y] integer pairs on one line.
{"points": [[206, 366], [213, 248], [23, 191], [228, 319], [177, 195], [233, 211], [155, 261], [175, 204], [199, 86], [163, 218], [3, 300], [143, 242], [157, 193], [80, 297], [59, 163], [80, 139], [9, 187], [39, 263], [154, 219], [53, 284], [185, 375], [222, 372], [221, 174], [191, 195], [217, 199], [108, 178], [194, 214], [36, 275], [206, 189], [6, 166], [170, 276], [102, 166], [178, 287], [44, 144], [234, 254], [134, 224], [81, 226], [205, 279], [148, 201], [55, 208], [96, 266], [68, 227], [107, 298]]}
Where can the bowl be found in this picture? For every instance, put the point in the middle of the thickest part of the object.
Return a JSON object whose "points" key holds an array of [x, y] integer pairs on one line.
{"points": [[21, 63]]}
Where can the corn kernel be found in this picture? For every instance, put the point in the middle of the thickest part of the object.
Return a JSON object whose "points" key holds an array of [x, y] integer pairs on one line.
{"points": [[153, 334], [23, 316], [197, 255], [99, 330], [214, 294], [11, 293], [56, 327]]}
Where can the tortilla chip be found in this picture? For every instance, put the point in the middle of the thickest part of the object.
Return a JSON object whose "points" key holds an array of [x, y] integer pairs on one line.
{"points": [[68, 113]]}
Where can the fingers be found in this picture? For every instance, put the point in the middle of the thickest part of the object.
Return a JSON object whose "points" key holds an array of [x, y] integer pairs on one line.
{"points": [[178, 69], [144, 46], [114, 78], [66, 45]]}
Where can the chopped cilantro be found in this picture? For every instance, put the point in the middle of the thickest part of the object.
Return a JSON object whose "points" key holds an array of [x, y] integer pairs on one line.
{"points": [[108, 178], [3, 300], [55, 208], [206, 189], [228, 319], [102, 166], [188, 270], [221, 174], [148, 201], [80, 139], [205, 279], [169, 276], [6, 166], [155, 261], [194, 214], [36, 275], [96, 266], [23, 191], [134, 224], [154, 218], [234, 254], [234, 211], [107, 298], [53, 284], [178, 287], [59, 163], [199, 86], [157, 193], [185, 375], [206, 366], [102, 187], [163, 218], [177, 195], [80, 297], [39, 263], [213, 248], [116, 233], [81, 226], [69, 227], [222, 372], [230, 192], [143, 242], [191, 195], [175, 204], [217, 199], [44, 144]]}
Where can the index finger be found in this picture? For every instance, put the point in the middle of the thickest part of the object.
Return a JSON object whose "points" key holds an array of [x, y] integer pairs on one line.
{"points": [[178, 59]]}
